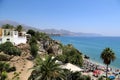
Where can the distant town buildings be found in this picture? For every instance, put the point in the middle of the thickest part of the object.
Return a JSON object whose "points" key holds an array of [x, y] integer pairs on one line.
{"points": [[10, 35]]}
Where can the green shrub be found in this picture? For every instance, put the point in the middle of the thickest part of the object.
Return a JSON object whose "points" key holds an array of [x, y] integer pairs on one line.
{"points": [[10, 49], [3, 75], [31, 32], [5, 46], [11, 69], [41, 36], [71, 55], [32, 40], [4, 66], [34, 50], [88, 78]]}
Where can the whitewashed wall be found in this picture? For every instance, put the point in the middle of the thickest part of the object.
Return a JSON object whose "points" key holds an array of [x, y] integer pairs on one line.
{"points": [[4, 39], [19, 40]]}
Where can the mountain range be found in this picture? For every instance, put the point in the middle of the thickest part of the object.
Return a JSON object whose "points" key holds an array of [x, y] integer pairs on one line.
{"points": [[49, 31]]}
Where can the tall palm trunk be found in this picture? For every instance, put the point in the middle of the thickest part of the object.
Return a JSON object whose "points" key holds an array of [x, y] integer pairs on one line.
{"points": [[106, 71]]}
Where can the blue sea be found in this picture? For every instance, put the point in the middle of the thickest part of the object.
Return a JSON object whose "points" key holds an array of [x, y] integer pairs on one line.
{"points": [[93, 46]]}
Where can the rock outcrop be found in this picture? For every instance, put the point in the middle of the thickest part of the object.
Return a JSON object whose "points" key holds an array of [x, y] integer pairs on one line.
{"points": [[25, 49], [50, 47], [4, 57]]}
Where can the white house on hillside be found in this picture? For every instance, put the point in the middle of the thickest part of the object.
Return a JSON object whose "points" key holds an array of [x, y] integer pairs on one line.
{"points": [[13, 36]]}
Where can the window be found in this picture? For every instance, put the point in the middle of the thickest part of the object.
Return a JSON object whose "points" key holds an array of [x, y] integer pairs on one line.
{"points": [[4, 32], [8, 39], [15, 32], [7, 33]]}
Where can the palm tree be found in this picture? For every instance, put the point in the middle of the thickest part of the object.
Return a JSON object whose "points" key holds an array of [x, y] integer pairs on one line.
{"points": [[47, 69], [19, 28], [107, 56], [7, 26]]}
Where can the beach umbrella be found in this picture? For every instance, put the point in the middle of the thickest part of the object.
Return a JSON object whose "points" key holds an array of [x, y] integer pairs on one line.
{"points": [[112, 77], [96, 72]]}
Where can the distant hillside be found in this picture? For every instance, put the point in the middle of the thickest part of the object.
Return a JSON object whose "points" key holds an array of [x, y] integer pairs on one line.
{"points": [[69, 33], [48, 31], [26, 27]]}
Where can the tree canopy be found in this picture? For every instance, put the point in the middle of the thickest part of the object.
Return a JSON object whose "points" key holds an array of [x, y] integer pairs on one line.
{"points": [[7, 26], [31, 32], [71, 55], [107, 56], [47, 69], [19, 28]]}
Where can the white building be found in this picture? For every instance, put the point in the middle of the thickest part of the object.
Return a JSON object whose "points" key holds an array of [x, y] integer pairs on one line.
{"points": [[12, 36]]}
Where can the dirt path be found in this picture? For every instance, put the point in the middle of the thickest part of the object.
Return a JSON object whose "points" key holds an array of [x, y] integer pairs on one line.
{"points": [[22, 69], [26, 71]]}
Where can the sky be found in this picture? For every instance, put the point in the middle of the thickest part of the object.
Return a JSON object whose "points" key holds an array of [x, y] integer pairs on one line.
{"points": [[89, 16]]}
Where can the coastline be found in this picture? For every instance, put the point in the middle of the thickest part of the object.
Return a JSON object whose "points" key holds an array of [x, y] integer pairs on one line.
{"points": [[93, 45]]}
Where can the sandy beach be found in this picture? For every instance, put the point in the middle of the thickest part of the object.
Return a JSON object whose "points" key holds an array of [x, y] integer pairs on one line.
{"points": [[90, 66]]}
